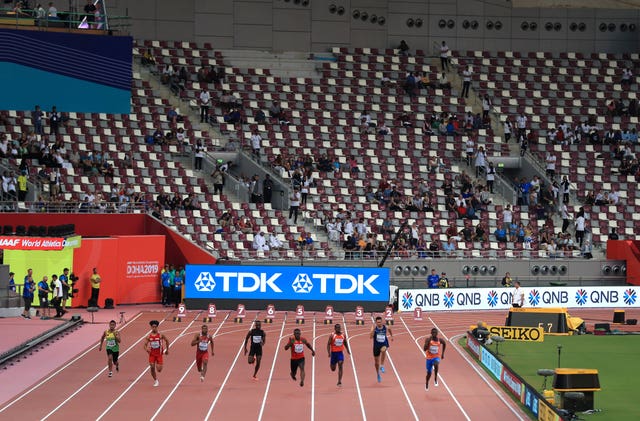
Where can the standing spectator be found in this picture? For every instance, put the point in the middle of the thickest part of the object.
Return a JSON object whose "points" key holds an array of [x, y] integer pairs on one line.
{"points": [[517, 300], [256, 143], [37, 117], [481, 161], [254, 189], [294, 205], [28, 290], [58, 296], [433, 280], [508, 128], [580, 226], [565, 186], [43, 296], [23, 186], [404, 48], [521, 124], [627, 77], [205, 103], [166, 277], [551, 165], [466, 81], [486, 107], [564, 212], [54, 121], [267, 188], [178, 281], [444, 57], [199, 155], [95, 281], [275, 111], [218, 180], [491, 176]]}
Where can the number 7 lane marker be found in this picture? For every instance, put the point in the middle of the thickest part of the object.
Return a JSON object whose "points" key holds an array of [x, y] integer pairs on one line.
{"points": [[439, 375]]}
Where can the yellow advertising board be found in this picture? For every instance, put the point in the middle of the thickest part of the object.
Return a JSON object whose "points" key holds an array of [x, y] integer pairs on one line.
{"points": [[518, 333]]}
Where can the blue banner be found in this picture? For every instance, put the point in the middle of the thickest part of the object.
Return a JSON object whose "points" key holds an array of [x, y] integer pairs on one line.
{"points": [[287, 283]]}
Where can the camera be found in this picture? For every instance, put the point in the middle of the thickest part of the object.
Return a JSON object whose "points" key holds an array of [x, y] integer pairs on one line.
{"points": [[72, 280]]}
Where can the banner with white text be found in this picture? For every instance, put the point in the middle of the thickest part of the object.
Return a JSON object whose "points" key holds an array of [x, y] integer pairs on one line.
{"points": [[287, 283], [500, 298]]}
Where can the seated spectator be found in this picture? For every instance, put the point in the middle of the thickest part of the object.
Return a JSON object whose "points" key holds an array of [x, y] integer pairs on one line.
{"points": [[260, 117], [233, 116], [202, 75], [244, 225], [443, 82], [627, 77], [404, 48], [147, 58], [275, 110], [384, 130], [450, 246], [260, 242], [274, 242], [349, 246], [500, 234], [173, 116], [424, 82], [443, 282], [189, 202], [587, 250]]}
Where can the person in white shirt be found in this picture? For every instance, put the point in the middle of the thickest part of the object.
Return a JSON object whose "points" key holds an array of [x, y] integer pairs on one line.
{"points": [[580, 227], [274, 242], [507, 130], [205, 103], [521, 123], [444, 56], [199, 155], [466, 81], [259, 242], [507, 215], [517, 300], [333, 230], [551, 165], [53, 12], [256, 143]]}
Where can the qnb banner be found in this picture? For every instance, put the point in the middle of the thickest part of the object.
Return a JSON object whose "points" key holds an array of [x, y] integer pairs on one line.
{"points": [[39, 243], [287, 283], [501, 298]]}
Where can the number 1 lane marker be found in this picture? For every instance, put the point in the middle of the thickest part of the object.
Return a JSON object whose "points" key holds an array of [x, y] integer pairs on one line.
{"points": [[439, 375]]}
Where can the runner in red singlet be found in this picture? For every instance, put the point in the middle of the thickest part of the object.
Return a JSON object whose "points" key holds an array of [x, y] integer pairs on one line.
{"points": [[297, 343], [153, 347], [202, 340]]}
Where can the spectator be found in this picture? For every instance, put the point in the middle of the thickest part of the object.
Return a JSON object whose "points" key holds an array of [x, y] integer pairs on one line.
{"points": [[486, 107], [294, 205], [466, 78], [500, 234], [260, 242], [404, 48], [205, 103], [433, 280], [443, 282], [587, 250], [260, 117], [627, 77], [274, 242], [613, 235], [275, 110], [517, 299], [256, 143], [507, 281], [444, 57], [443, 82]]}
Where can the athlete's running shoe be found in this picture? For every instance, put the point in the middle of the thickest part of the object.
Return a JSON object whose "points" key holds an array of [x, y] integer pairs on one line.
{"points": [[339, 384], [118, 367], [379, 378], [435, 383], [254, 378], [111, 374], [382, 369], [301, 383], [201, 378], [156, 383], [293, 376], [426, 387]]}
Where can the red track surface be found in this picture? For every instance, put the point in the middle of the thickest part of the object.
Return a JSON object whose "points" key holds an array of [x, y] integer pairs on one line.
{"points": [[82, 389]]}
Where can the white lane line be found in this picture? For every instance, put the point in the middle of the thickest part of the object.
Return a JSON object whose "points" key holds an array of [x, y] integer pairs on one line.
{"points": [[52, 375], [439, 375], [313, 373], [273, 366], [488, 380], [226, 378], [188, 370], [143, 373], [404, 391], [355, 373]]}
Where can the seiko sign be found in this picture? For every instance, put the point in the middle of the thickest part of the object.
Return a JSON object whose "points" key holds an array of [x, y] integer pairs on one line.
{"points": [[286, 282]]}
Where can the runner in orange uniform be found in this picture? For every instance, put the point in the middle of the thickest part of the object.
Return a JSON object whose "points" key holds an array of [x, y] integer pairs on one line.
{"points": [[337, 343], [434, 348]]}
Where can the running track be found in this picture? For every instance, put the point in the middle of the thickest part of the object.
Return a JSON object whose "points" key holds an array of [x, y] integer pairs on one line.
{"points": [[80, 389]]}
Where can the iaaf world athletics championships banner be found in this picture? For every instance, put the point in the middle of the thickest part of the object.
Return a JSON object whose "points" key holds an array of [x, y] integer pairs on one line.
{"points": [[500, 298], [287, 283]]}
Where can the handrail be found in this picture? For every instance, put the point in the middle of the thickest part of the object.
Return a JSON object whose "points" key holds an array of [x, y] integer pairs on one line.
{"points": [[72, 207]]}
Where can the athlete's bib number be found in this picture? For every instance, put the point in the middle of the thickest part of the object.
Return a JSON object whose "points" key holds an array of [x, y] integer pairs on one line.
{"points": [[111, 343], [203, 346], [298, 348], [257, 339], [381, 337], [433, 349], [338, 341], [154, 344]]}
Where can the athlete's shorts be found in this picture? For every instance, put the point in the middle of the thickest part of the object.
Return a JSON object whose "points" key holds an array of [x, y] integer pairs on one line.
{"points": [[431, 362], [44, 301], [155, 358], [336, 356], [378, 348], [297, 363], [115, 355], [201, 357], [255, 350]]}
